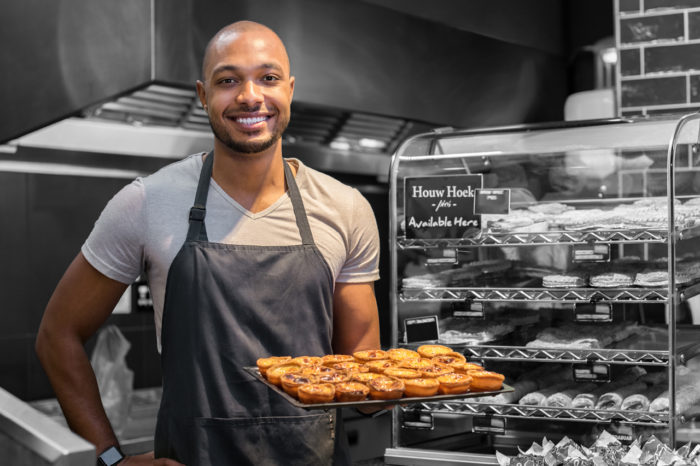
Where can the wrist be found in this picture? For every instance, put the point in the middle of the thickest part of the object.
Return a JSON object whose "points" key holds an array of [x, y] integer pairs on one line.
{"points": [[110, 456]]}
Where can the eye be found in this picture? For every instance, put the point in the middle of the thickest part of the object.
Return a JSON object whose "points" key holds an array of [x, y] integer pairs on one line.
{"points": [[270, 78], [227, 81]]}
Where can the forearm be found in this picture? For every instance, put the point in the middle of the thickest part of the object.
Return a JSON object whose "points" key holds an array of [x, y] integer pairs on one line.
{"points": [[73, 380]]}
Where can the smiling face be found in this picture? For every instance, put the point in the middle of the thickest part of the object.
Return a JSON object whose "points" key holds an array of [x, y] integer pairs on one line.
{"points": [[247, 90]]}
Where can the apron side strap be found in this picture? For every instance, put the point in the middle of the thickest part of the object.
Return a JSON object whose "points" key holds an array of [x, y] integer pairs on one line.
{"points": [[197, 231]]}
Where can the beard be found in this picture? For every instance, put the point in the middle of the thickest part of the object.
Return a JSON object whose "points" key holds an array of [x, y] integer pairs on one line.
{"points": [[255, 147]]}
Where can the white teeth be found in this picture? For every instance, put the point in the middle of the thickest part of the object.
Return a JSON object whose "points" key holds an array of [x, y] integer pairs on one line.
{"points": [[250, 121]]}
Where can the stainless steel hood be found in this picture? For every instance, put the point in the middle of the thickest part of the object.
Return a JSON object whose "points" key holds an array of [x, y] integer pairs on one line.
{"points": [[118, 77]]}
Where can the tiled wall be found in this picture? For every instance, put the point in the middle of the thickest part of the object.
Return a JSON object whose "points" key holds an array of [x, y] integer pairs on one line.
{"points": [[659, 56]]}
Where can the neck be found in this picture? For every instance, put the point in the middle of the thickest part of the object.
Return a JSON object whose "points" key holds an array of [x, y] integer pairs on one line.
{"points": [[255, 181]]}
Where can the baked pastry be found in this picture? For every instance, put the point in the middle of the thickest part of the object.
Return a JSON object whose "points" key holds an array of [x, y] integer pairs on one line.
{"points": [[421, 387], [430, 351], [333, 377], [312, 393], [564, 281], [274, 373], [401, 373], [651, 279], [380, 365], [351, 391], [317, 370], [486, 380], [399, 354], [363, 377], [307, 360], [436, 370], [330, 359], [470, 366], [265, 363], [415, 363], [449, 358], [611, 280], [350, 366], [386, 388], [451, 384], [369, 355], [291, 382]]}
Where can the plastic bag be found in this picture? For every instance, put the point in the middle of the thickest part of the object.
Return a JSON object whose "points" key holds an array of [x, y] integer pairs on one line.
{"points": [[114, 379]]}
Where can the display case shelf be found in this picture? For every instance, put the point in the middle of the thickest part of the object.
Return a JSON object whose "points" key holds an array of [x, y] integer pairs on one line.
{"points": [[563, 295], [568, 355], [538, 412]]}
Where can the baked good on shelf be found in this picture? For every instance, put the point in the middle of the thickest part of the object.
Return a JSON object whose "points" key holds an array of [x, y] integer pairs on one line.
{"points": [[380, 365], [486, 380], [330, 359], [651, 278], [274, 373], [386, 388], [307, 360], [312, 393], [350, 366], [415, 363], [430, 351], [399, 354], [451, 384], [572, 280], [265, 363], [369, 355], [401, 373], [436, 370], [291, 382], [611, 280], [421, 387], [351, 391]]}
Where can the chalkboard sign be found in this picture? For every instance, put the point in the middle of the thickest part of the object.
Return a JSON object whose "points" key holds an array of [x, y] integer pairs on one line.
{"points": [[421, 329], [441, 206]]}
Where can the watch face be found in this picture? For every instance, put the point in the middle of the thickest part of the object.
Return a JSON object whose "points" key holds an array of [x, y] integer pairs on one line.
{"points": [[111, 456]]}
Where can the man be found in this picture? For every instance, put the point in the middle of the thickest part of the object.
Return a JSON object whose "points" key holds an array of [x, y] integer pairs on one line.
{"points": [[248, 255]]}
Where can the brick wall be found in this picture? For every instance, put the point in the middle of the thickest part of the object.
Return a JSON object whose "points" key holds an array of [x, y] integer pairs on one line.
{"points": [[659, 56]]}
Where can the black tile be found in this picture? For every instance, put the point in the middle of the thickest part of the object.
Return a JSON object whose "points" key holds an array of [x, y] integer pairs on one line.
{"points": [[14, 354], [630, 63], [629, 6], [672, 4], [679, 57], [653, 91], [695, 88], [652, 28]]}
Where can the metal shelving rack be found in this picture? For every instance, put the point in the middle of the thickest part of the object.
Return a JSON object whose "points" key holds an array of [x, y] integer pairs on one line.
{"points": [[478, 148]]}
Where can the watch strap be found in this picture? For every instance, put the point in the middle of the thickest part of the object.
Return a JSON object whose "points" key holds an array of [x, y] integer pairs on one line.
{"points": [[110, 457]]}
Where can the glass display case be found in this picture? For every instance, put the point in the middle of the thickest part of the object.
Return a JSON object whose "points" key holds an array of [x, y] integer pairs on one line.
{"points": [[545, 253]]}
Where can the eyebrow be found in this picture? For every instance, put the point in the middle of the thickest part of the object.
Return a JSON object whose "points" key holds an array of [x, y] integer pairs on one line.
{"points": [[234, 68]]}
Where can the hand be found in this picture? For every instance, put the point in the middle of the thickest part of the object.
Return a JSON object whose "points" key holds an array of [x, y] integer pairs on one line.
{"points": [[148, 459]]}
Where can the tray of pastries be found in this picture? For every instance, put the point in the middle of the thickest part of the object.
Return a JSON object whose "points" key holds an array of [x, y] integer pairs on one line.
{"points": [[376, 377]]}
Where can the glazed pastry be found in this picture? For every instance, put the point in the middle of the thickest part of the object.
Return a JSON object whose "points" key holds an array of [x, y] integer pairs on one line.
{"points": [[401, 373], [430, 351], [369, 355], [351, 391], [436, 370], [333, 377], [363, 377], [312, 393], [274, 373], [386, 388], [330, 359], [291, 382], [380, 365], [451, 384], [399, 354], [415, 363], [317, 370], [486, 380], [350, 366], [265, 363], [449, 358], [470, 366], [307, 360], [421, 387]]}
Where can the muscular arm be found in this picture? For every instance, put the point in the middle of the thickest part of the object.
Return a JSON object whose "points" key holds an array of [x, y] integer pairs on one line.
{"points": [[355, 318], [81, 302]]}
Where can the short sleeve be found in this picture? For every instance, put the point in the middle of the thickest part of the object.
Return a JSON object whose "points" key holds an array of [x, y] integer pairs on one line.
{"points": [[116, 244], [362, 263]]}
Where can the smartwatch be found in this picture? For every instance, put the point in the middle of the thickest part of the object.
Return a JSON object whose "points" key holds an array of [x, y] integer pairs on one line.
{"points": [[110, 457]]}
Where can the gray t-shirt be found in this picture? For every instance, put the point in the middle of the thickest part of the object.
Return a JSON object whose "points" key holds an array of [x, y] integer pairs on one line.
{"points": [[144, 225]]}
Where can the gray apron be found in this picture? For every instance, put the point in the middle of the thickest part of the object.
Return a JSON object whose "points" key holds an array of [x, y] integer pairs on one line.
{"points": [[225, 306]]}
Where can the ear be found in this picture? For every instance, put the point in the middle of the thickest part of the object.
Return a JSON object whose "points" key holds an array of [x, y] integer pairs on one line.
{"points": [[202, 94], [291, 88]]}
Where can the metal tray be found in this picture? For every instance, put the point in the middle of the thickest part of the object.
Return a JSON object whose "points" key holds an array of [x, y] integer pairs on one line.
{"points": [[336, 404]]}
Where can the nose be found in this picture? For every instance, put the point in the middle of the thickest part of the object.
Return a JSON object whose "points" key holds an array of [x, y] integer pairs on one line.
{"points": [[250, 93]]}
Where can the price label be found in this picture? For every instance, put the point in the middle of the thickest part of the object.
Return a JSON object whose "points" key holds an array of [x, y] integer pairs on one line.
{"points": [[592, 372], [489, 425], [468, 309], [421, 329], [591, 253], [492, 201], [593, 312], [417, 420]]}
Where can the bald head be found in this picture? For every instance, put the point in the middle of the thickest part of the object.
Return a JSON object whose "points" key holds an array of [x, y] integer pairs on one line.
{"points": [[250, 30]]}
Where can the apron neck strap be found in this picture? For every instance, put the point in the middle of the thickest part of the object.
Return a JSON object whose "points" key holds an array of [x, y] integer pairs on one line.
{"points": [[197, 230]]}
